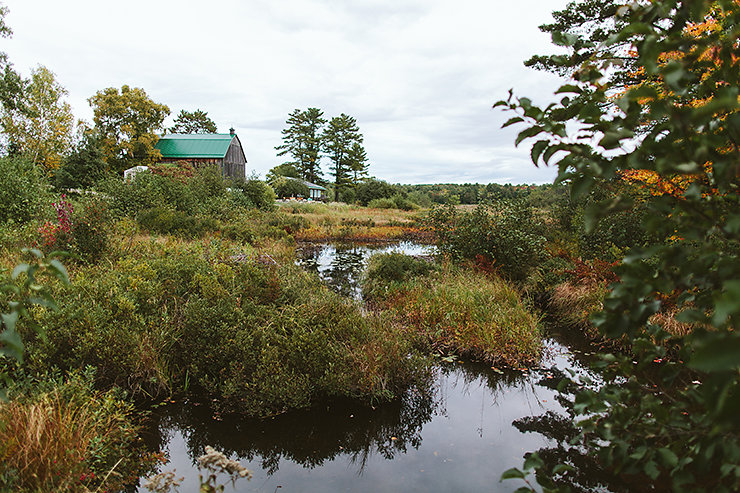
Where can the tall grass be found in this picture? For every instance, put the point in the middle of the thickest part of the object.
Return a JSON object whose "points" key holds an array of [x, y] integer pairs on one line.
{"points": [[467, 312], [67, 438]]}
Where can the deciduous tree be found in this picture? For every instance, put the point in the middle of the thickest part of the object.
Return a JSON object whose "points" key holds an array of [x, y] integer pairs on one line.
{"points": [[664, 416], [128, 122], [41, 128]]}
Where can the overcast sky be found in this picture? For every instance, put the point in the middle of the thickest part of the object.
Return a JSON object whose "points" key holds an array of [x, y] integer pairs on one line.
{"points": [[420, 76]]}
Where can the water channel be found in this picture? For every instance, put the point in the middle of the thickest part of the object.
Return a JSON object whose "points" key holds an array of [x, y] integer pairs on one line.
{"points": [[457, 436]]}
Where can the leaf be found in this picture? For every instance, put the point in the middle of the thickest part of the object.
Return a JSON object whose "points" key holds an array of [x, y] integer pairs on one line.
{"points": [[533, 461], [512, 473], [568, 88], [19, 269], [512, 121], [10, 320], [537, 150], [527, 133], [721, 353], [561, 468], [12, 345], [728, 302], [668, 458], [651, 469], [61, 271]]}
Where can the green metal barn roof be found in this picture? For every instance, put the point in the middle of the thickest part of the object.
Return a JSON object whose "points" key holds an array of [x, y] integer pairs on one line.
{"points": [[194, 145]]}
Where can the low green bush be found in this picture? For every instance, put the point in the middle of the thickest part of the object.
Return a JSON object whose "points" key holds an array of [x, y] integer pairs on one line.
{"points": [[259, 337], [506, 236], [166, 221], [384, 270], [384, 203], [22, 190]]}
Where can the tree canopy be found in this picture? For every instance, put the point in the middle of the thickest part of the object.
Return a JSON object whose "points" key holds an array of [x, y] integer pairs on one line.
{"points": [[302, 139], [41, 129], [195, 122], [127, 122], [340, 136]]}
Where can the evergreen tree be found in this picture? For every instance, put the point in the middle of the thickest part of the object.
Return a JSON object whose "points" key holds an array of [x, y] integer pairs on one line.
{"points": [[193, 122], [357, 163], [340, 136], [302, 141]]}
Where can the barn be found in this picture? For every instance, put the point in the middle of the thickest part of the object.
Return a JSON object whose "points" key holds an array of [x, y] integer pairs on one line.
{"points": [[224, 150]]}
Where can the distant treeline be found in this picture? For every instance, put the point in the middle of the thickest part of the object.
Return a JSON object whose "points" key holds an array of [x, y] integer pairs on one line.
{"points": [[468, 193]]}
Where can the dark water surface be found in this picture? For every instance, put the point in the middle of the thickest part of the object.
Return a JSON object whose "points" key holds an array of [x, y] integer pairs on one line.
{"points": [[455, 436]]}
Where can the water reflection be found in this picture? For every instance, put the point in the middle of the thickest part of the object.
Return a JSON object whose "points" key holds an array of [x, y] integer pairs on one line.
{"points": [[454, 435], [457, 433], [309, 438], [340, 265]]}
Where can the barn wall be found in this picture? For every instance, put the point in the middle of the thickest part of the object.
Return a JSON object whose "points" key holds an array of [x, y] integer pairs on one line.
{"points": [[234, 163]]}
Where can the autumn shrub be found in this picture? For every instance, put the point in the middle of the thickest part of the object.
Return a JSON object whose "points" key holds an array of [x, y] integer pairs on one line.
{"points": [[62, 435], [90, 228], [465, 312]]}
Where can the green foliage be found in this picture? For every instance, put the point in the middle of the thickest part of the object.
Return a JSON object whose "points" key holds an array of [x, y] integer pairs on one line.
{"points": [[339, 139], [90, 228], [41, 129], [506, 234], [166, 221], [84, 167], [259, 337], [303, 141], [257, 192], [397, 201], [285, 169], [347, 195], [665, 416], [385, 269], [22, 190], [373, 189], [127, 122], [193, 122], [20, 292], [287, 187]]}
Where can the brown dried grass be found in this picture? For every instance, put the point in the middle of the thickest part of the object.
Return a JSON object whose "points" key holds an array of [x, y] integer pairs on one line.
{"points": [[45, 443]]}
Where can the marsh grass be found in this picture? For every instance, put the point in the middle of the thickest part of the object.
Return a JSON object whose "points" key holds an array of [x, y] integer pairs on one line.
{"points": [[343, 222], [466, 312], [68, 438]]}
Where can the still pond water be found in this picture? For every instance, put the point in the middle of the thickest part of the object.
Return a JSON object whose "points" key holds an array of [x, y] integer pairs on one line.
{"points": [[457, 436]]}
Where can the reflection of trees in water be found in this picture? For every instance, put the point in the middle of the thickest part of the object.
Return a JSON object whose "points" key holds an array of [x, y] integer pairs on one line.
{"points": [[346, 262], [585, 474], [343, 275], [307, 438]]}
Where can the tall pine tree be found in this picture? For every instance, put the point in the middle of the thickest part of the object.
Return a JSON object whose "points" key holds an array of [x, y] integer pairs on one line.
{"points": [[340, 136], [302, 142]]}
